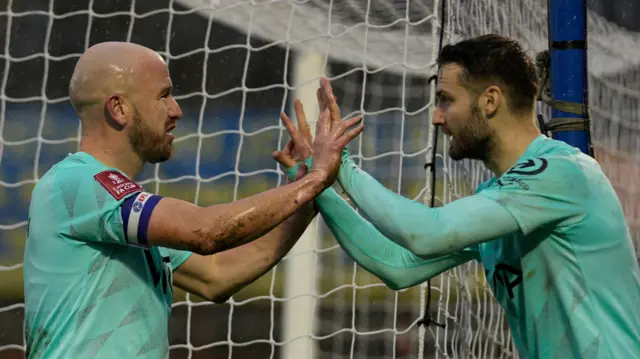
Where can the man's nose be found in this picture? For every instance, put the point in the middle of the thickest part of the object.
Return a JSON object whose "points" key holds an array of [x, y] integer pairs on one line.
{"points": [[438, 117], [175, 111]]}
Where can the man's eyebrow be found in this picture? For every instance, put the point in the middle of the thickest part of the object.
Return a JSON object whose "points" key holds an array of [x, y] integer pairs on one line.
{"points": [[166, 89], [441, 94]]}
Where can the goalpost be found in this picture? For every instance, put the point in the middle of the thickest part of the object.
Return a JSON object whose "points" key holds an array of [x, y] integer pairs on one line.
{"points": [[224, 56], [301, 266]]}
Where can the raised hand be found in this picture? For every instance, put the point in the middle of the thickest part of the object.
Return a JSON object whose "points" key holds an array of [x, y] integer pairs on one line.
{"points": [[327, 100], [299, 146], [331, 134]]}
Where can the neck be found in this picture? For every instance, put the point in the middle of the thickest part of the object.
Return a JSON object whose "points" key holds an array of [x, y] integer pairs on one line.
{"points": [[509, 145], [112, 153]]}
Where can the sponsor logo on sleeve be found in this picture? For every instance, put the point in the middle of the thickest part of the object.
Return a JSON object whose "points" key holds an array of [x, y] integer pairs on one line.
{"points": [[139, 203], [117, 184], [136, 219], [530, 167], [518, 174]]}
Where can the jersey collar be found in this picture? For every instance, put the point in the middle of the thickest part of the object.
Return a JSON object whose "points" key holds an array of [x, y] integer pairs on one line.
{"points": [[89, 159], [533, 148]]}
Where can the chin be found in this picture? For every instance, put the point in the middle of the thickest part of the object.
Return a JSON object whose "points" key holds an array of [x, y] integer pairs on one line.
{"points": [[455, 153], [159, 156], [155, 160]]}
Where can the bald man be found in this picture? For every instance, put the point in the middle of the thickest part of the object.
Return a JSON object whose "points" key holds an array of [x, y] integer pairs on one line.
{"points": [[102, 254]]}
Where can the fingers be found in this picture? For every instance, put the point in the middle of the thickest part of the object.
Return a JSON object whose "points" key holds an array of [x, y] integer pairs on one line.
{"points": [[294, 133], [303, 125], [300, 115], [330, 99], [344, 140], [288, 149], [346, 125], [284, 159], [322, 104], [288, 124], [323, 128], [322, 101], [303, 132]]}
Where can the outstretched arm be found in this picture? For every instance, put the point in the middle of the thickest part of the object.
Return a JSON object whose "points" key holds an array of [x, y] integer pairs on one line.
{"points": [[428, 232], [217, 277], [396, 266], [532, 194], [181, 225]]}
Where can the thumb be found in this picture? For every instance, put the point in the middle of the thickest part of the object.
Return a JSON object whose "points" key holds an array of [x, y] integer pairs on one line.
{"points": [[284, 159]]}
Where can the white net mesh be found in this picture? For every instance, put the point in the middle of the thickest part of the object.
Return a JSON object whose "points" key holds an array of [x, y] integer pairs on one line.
{"points": [[232, 63]]}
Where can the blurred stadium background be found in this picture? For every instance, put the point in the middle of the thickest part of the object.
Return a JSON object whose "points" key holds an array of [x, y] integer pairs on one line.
{"points": [[231, 95]]}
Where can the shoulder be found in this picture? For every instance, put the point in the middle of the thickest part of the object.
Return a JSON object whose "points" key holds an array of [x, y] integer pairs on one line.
{"points": [[484, 185], [78, 175], [555, 167], [72, 170], [554, 160], [68, 174]]}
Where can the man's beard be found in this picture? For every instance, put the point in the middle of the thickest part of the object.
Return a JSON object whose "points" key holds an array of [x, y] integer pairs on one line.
{"points": [[151, 146], [473, 141]]}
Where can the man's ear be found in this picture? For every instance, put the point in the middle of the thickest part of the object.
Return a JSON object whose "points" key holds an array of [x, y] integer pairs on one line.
{"points": [[117, 111], [490, 100]]}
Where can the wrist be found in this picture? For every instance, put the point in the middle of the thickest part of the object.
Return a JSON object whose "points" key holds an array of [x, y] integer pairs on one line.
{"points": [[345, 155], [319, 176], [293, 170]]}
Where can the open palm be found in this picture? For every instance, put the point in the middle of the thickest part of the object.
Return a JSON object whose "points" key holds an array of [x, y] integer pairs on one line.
{"points": [[301, 144]]}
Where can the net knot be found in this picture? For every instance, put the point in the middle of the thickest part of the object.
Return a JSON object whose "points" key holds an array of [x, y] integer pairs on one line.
{"points": [[426, 321]]}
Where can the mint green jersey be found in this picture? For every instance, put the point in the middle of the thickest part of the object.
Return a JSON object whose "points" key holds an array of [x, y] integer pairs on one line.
{"points": [[550, 233], [569, 279], [93, 287]]}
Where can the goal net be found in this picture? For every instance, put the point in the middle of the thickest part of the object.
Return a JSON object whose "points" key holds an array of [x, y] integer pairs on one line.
{"points": [[235, 65]]}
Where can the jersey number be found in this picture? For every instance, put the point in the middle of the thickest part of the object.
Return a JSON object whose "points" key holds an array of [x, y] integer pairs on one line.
{"points": [[156, 275], [508, 276]]}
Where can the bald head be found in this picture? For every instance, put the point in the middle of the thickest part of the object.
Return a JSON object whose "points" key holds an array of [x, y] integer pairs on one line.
{"points": [[109, 68], [123, 95]]}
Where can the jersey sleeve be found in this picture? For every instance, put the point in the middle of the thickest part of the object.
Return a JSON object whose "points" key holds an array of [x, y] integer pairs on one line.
{"points": [[176, 257], [103, 205], [395, 265], [541, 191]]}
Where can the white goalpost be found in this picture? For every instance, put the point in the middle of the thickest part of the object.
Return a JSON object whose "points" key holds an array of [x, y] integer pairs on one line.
{"points": [[236, 64], [301, 266]]}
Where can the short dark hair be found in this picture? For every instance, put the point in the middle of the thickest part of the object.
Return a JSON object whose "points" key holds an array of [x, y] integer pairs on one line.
{"points": [[491, 58]]}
